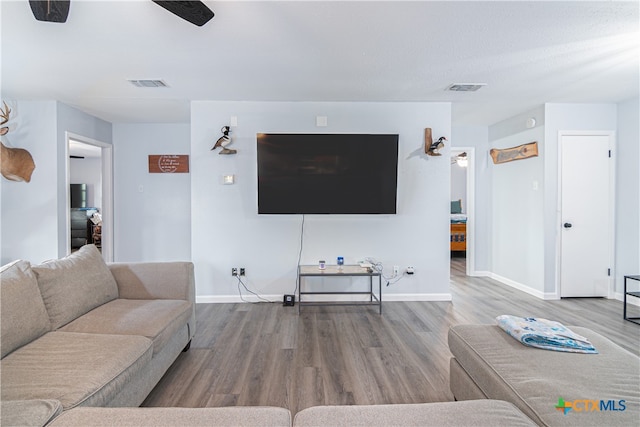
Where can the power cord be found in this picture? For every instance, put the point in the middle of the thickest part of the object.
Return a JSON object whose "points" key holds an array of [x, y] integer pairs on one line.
{"points": [[240, 282], [299, 255], [379, 267]]}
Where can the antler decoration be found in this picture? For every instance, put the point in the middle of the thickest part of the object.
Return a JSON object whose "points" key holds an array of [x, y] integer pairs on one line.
{"points": [[4, 114], [16, 164]]}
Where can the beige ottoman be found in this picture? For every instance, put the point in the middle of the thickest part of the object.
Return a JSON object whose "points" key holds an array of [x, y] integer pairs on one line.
{"points": [[442, 414], [488, 363]]}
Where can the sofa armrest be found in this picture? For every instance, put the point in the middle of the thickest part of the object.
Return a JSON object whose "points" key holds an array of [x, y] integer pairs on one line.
{"points": [[155, 280]]}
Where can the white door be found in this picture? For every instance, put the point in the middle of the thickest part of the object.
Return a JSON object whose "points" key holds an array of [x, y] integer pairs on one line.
{"points": [[586, 215]]}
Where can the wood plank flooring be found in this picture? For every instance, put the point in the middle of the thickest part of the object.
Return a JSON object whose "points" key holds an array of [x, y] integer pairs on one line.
{"points": [[267, 354]]}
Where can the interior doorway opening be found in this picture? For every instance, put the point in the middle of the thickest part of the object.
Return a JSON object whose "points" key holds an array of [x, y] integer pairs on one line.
{"points": [[462, 226], [89, 194]]}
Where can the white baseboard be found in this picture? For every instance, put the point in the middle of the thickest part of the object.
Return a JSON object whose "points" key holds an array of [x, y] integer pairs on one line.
{"points": [[233, 299], [417, 297], [524, 288], [630, 300], [481, 274]]}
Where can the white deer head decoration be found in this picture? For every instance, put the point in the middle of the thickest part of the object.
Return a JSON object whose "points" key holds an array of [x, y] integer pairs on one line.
{"points": [[16, 164]]}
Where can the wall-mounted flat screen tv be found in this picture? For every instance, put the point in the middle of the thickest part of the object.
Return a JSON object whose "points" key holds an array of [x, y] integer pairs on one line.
{"points": [[78, 195], [327, 173]]}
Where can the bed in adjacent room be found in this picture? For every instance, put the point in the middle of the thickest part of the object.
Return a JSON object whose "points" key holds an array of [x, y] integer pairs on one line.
{"points": [[458, 239]]}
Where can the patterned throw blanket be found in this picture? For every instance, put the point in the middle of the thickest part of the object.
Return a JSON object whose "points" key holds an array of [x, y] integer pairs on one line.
{"points": [[544, 334]]}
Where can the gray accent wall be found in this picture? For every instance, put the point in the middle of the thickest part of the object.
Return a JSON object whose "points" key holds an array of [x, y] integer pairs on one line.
{"points": [[227, 232]]}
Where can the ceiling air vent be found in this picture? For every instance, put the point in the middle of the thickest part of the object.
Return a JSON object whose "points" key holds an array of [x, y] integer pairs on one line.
{"points": [[148, 83], [465, 87]]}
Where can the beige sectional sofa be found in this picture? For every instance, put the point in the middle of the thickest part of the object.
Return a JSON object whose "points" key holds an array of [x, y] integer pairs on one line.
{"points": [[84, 333], [83, 343], [442, 414], [489, 364]]}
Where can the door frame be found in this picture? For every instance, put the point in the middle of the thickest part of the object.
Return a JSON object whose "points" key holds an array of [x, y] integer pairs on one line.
{"points": [[107, 192], [612, 198], [471, 205]]}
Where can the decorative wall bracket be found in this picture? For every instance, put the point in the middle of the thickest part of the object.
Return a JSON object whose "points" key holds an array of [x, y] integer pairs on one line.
{"points": [[430, 147]]}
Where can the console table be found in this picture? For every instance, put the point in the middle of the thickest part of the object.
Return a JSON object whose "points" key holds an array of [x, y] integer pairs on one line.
{"points": [[340, 271], [632, 294]]}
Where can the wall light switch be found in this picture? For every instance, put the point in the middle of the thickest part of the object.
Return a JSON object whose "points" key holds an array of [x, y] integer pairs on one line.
{"points": [[321, 121], [228, 179], [234, 121]]}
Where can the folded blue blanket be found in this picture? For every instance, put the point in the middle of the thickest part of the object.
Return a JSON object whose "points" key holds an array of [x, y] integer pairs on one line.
{"points": [[544, 334]]}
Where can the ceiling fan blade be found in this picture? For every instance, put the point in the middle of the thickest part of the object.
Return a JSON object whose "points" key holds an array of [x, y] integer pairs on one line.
{"points": [[50, 10], [195, 12]]}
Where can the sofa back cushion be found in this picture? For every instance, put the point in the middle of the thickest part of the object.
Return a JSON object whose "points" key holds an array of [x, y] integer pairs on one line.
{"points": [[75, 285], [24, 317]]}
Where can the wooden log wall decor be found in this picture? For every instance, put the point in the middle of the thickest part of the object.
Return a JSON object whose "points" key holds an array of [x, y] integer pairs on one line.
{"points": [[428, 140], [515, 153]]}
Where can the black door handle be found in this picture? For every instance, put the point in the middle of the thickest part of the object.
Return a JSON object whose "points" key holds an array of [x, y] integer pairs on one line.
{"points": [[567, 225]]}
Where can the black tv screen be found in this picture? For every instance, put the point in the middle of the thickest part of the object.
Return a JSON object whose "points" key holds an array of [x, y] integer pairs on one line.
{"points": [[78, 195], [327, 173]]}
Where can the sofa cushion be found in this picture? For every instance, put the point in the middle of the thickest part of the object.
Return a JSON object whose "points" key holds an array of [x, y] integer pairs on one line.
{"points": [[175, 417], [23, 314], [534, 379], [74, 285], [74, 368], [454, 414], [157, 320], [36, 413]]}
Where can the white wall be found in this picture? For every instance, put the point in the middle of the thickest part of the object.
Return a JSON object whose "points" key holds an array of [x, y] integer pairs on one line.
{"points": [[478, 137], [227, 231], [153, 210], [517, 246], [34, 225], [30, 210], [627, 193], [565, 117], [88, 171], [459, 184]]}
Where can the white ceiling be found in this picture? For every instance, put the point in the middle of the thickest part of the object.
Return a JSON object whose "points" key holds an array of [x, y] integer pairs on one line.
{"points": [[528, 53]]}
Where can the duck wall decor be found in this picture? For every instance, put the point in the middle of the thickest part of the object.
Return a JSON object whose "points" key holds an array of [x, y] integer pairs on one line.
{"points": [[224, 141], [436, 146]]}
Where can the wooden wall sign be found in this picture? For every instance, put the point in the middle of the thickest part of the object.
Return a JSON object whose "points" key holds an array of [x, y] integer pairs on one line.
{"points": [[515, 153], [169, 163]]}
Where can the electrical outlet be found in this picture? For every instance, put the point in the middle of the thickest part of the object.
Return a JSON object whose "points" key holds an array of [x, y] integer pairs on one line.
{"points": [[410, 270], [396, 270], [242, 271], [234, 272]]}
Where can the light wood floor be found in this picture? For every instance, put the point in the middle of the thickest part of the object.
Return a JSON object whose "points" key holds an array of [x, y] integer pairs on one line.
{"points": [[267, 354]]}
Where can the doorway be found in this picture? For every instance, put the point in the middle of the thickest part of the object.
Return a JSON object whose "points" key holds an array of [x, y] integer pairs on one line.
{"points": [[89, 194], [463, 189], [586, 190]]}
